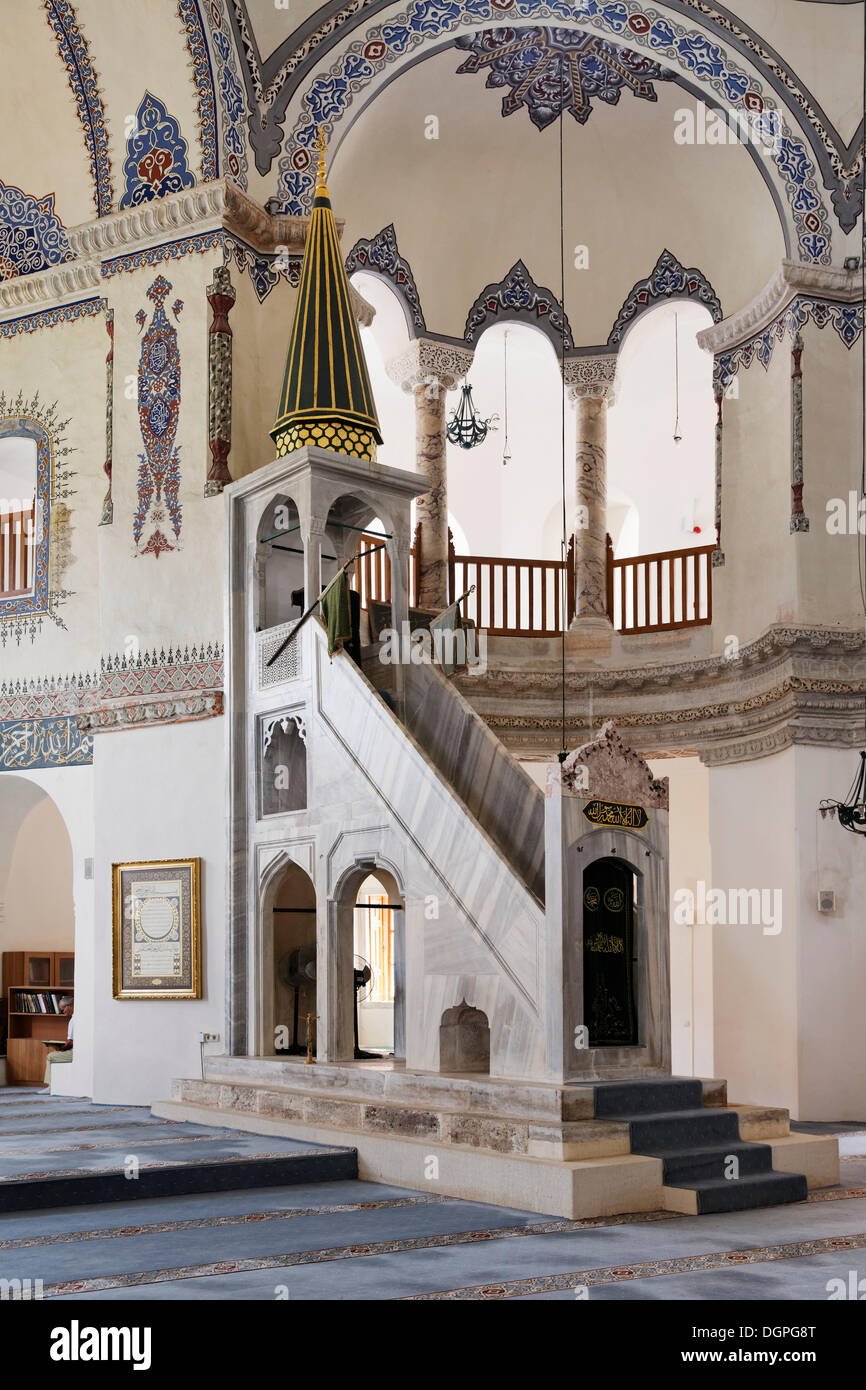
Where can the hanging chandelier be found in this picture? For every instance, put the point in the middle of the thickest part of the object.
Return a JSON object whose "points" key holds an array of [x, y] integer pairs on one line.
{"points": [[851, 811], [466, 428]]}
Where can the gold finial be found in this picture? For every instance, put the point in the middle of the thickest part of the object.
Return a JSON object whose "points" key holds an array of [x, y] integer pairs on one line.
{"points": [[322, 147]]}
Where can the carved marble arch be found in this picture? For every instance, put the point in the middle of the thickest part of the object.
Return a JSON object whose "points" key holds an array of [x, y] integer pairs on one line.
{"points": [[380, 256], [341, 971], [668, 280], [517, 298], [289, 869], [279, 563]]}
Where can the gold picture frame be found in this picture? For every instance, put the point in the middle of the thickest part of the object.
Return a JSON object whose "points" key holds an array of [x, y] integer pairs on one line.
{"points": [[156, 936]]}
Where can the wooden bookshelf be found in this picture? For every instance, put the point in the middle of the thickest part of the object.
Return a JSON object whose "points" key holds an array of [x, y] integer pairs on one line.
{"points": [[33, 984]]}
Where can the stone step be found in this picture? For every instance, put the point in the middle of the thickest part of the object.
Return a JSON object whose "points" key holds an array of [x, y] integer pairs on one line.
{"points": [[477, 1094], [618, 1099], [595, 1186], [684, 1167], [565, 1140], [495, 1133], [742, 1194]]}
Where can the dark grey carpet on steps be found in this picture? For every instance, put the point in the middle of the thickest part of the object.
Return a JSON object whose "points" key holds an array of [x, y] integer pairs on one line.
{"points": [[700, 1148]]}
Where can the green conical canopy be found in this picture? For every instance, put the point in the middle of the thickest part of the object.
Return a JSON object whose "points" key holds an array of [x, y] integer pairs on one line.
{"points": [[326, 397]]}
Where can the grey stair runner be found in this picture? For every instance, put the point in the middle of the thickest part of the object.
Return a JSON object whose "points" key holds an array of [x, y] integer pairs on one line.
{"points": [[696, 1145]]}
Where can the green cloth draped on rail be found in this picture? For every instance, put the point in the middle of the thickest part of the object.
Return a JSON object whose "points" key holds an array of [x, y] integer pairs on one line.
{"points": [[337, 614]]}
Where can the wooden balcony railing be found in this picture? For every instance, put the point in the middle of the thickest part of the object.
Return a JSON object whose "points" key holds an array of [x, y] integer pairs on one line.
{"points": [[526, 598], [17, 551], [514, 598], [661, 592]]}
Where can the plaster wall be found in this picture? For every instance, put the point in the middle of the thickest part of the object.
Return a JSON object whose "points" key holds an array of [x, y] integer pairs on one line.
{"points": [[833, 389], [691, 951], [758, 583], [159, 794], [788, 1018], [630, 191], [756, 1008]]}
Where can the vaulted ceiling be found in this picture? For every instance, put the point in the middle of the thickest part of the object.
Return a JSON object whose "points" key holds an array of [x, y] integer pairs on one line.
{"points": [[443, 117]]}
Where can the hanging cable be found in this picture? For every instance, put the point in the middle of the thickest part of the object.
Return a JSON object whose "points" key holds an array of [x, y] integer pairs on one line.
{"points": [[564, 541], [677, 435], [506, 457]]}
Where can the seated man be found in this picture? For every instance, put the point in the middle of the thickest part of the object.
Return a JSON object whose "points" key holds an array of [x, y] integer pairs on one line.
{"points": [[63, 1053]]}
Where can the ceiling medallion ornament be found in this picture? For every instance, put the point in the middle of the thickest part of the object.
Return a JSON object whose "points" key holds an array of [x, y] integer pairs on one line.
{"points": [[553, 70]]}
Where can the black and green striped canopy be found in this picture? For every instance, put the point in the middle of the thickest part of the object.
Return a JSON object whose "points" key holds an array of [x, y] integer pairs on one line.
{"points": [[326, 378]]}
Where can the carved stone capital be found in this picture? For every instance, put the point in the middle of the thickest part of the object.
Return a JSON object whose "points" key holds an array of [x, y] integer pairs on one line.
{"points": [[792, 278], [362, 309], [426, 361], [591, 376]]}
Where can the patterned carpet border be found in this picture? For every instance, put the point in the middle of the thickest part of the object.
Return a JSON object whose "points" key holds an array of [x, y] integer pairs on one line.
{"points": [[507, 1289], [646, 1269], [276, 1214]]}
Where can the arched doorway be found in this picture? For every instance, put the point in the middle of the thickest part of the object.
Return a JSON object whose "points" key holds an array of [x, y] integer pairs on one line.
{"points": [[293, 956], [370, 973], [610, 952], [375, 965], [37, 926]]}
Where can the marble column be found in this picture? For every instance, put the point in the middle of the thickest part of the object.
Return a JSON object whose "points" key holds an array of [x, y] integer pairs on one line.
{"points": [[429, 369], [591, 385]]}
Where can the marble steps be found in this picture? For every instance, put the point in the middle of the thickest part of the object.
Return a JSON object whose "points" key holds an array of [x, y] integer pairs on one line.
{"points": [[546, 1180], [489, 783], [440, 1117], [701, 1150]]}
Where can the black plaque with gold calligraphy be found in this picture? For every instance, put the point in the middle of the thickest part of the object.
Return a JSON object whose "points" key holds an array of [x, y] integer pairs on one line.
{"points": [[608, 954], [616, 813]]}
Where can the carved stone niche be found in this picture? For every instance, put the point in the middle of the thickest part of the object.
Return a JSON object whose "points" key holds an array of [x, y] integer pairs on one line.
{"points": [[464, 1040], [283, 785]]}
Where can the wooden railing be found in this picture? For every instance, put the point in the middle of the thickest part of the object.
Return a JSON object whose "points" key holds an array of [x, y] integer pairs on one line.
{"points": [[529, 598], [17, 551], [514, 598], [660, 592]]}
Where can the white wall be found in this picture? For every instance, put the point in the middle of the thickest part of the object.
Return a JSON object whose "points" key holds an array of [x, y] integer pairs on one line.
{"points": [[790, 1026], [159, 795], [690, 945]]}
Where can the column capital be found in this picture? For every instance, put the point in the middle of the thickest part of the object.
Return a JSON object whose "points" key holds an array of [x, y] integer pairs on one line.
{"points": [[427, 362], [593, 377]]}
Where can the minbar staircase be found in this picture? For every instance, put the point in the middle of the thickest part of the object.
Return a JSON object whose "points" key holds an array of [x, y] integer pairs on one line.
{"points": [[700, 1148], [566, 1149]]}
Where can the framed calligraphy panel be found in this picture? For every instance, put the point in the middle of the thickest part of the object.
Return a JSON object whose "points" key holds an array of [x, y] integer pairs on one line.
{"points": [[157, 929]]}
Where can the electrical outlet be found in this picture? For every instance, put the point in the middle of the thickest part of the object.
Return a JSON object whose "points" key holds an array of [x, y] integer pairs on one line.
{"points": [[208, 1037], [826, 900]]}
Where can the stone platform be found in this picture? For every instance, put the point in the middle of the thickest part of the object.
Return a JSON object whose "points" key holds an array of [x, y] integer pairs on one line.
{"points": [[541, 1146]]}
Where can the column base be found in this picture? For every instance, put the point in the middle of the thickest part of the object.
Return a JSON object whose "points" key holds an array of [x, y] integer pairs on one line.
{"points": [[590, 634]]}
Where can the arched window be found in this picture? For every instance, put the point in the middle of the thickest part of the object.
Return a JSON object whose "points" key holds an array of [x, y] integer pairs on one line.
{"points": [[664, 388], [19, 519]]}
